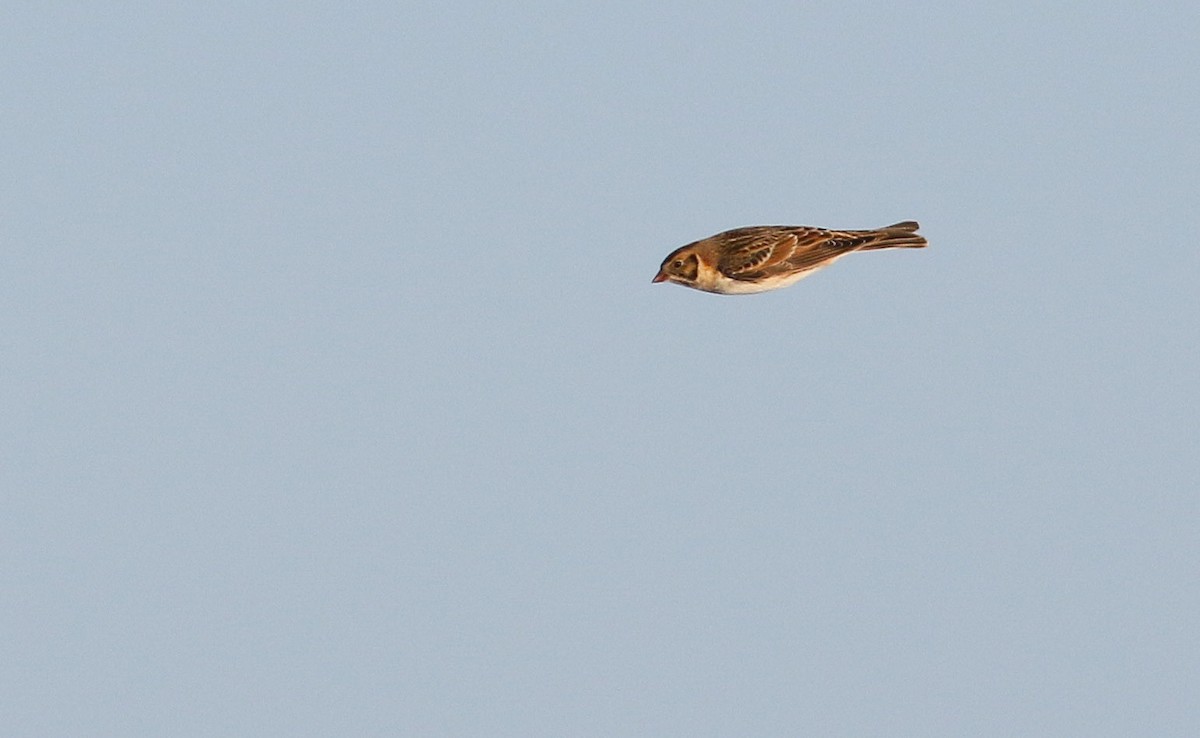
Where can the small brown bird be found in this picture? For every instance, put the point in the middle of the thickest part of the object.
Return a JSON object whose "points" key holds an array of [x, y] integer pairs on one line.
{"points": [[761, 258]]}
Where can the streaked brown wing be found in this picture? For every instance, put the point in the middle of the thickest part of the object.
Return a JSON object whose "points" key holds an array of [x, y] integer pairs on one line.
{"points": [[754, 249], [823, 245], [809, 248]]}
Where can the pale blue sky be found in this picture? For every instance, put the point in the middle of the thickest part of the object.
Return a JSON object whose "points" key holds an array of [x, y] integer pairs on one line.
{"points": [[337, 400]]}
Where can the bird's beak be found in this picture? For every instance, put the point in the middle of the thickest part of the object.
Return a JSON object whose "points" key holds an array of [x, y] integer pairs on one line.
{"points": [[660, 277]]}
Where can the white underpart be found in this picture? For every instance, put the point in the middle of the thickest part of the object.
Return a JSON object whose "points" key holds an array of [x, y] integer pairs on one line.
{"points": [[719, 283]]}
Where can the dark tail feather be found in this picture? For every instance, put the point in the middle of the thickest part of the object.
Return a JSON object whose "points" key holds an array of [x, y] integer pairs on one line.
{"points": [[897, 236]]}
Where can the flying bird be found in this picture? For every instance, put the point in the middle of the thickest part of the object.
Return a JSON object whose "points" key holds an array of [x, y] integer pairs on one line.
{"points": [[762, 258]]}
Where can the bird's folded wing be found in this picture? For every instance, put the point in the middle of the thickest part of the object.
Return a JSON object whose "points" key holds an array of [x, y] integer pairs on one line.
{"points": [[755, 251], [795, 250]]}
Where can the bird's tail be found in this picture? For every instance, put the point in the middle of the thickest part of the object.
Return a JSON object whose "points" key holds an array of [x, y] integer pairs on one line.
{"points": [[901, 235]]}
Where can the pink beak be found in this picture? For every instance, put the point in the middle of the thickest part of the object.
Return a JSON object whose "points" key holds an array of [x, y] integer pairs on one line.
{"points": [[660, 277]]}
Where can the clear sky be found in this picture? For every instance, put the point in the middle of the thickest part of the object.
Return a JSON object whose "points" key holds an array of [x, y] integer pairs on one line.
{"points": [[336, 398]]}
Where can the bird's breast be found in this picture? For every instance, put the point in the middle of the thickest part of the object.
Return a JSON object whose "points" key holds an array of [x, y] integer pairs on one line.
{"points": [[726, 286]]}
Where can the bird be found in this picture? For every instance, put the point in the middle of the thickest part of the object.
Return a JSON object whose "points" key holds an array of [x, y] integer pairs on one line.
{"points": [[762, 258]]}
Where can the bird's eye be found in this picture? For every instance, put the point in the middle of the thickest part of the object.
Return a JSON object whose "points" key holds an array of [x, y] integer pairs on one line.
{"points": [[678, 263]]}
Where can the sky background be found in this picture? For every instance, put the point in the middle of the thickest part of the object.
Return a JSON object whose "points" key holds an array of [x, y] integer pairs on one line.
{"points": [[336, 399]]}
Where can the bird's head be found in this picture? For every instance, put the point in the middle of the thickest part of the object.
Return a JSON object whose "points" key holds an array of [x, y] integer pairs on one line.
{"points": [[682, 266]]}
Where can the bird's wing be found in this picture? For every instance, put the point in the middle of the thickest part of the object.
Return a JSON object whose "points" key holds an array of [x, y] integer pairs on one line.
{"points": [[752, 250], [819, 246], [763, 252]]}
